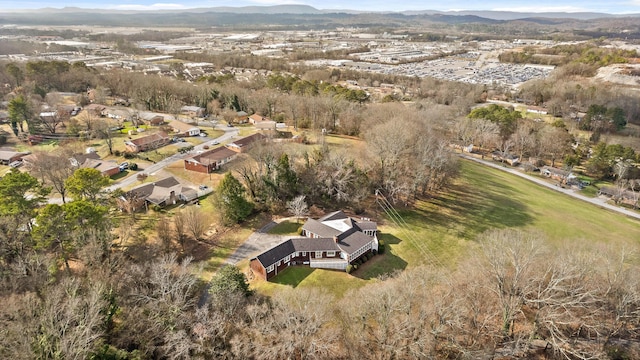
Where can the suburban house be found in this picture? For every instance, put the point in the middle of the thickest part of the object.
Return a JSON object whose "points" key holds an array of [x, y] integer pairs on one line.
{"points": [[77, 160], [209, 161], [245, 143], [95, 109], [167, 191], [510, 159], [9, 156], [262, 122], [184, 129], [621, 196], [193, 111], [563, 176], [92, 160], [255, 118], [153, 120], [149, 142], [241, 117], [331, 242]]}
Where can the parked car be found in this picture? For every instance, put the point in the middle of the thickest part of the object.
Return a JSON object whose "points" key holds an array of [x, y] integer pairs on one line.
{"points": [[203, 134], [15, 164], [216, 142], [124, 166]]}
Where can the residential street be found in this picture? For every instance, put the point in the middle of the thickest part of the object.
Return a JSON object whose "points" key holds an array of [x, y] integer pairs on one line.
{"points": [[229, 133]]}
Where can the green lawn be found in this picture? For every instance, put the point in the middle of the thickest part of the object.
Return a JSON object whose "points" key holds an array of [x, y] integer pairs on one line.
{"points": [[286, 228], [441, 229]]}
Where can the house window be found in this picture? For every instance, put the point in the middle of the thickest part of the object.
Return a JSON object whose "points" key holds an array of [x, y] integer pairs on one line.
{"points": [[279, 262], [287, 258], [331, 253], [304, 253], [270, 268], [318, 254]]}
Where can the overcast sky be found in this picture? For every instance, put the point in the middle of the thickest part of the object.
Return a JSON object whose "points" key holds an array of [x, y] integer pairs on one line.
{"points": [[612, 7]]}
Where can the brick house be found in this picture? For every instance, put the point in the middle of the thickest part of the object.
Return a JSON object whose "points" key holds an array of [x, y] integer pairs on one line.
{"points": [[149, 142], [209, 161], [331, 242], [246, 143]]}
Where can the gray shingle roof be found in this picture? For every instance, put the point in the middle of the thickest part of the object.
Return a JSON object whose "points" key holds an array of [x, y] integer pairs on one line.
{"points": [[336, 215], [276, 253], [320, 229], [367, 225], [354, 241], [316, 244], [279, 252]]}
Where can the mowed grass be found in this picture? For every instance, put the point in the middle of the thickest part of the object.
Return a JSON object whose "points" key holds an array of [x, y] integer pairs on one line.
{"points": [[286, 228], [440, 230]]}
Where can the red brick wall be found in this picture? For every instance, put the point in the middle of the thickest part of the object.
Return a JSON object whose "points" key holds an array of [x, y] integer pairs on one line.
{"points": [[195, 167], [258, 270]]}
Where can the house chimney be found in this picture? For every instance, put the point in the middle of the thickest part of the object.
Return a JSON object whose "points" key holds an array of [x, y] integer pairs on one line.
{"points": [[335, 238]]}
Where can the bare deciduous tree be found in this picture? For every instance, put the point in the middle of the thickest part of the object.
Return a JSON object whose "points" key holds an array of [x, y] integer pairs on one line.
{"points": [[195, 222], [298, 207]]}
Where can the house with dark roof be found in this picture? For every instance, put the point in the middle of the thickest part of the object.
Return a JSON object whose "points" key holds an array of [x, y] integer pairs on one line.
{"points": [[331, 242], [149, 142], [164, 192], [9, 156], [209, 161], [246, 143]]}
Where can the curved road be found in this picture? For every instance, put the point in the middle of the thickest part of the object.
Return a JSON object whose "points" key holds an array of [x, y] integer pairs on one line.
{"points": [[595, 201]]}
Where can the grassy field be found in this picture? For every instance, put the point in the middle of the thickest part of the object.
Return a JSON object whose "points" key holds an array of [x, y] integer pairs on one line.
{"points": [[443, 228]]}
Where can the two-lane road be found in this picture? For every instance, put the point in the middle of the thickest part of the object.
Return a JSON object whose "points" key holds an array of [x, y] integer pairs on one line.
{"points": [[229, 133]]}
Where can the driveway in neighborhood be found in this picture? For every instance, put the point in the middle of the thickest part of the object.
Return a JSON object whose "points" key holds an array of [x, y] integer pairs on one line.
{"points": [[257, 242], [595, 201]]}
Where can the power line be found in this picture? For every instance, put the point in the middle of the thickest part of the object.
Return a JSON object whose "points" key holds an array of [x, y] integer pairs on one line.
{"points": [[406, 231]]}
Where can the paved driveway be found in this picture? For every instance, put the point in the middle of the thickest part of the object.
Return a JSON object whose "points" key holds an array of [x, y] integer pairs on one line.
{"points": [[257, 242]]}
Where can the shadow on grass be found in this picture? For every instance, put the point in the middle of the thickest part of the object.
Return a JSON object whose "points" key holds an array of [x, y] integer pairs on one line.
{"points": [[385, 263], [479, 204], [120, 175], [293, 275], [286, 228]]}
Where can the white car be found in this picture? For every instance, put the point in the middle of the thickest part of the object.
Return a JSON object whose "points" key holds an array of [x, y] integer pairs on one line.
{"points": [[15, 164]]}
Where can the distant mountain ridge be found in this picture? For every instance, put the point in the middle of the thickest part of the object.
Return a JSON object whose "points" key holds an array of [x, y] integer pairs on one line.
{"points": [[306, 9]]}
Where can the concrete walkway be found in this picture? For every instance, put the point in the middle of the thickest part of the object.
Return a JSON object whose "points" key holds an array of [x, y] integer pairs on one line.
{"points": [[595, 201]]}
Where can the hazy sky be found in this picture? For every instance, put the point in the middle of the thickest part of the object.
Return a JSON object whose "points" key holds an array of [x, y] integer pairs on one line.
{"points": [[613, 6]]}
